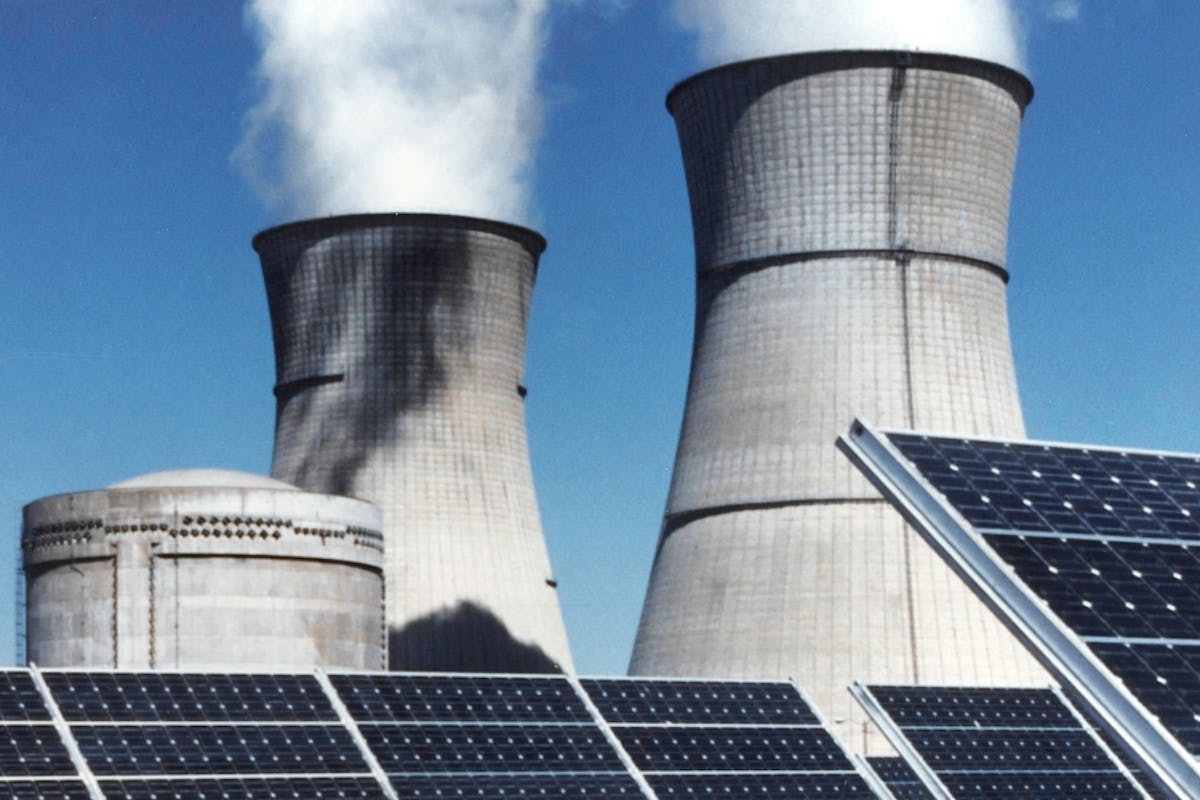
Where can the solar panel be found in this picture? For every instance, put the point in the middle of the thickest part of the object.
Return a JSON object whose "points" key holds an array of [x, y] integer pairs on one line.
{"points": [[990, 743], [1091, 555], [724, 738], [27, 750], [899, 778], [20, 699], [188, 697], [582, 787]]}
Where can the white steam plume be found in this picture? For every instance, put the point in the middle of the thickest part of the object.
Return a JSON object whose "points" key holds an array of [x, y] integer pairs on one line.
{"points": [[730, 30], [395, 105]]}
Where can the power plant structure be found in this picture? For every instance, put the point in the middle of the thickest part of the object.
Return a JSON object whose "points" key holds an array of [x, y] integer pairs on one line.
{"points": [[193, 569], [399, 347], [850, 214]]}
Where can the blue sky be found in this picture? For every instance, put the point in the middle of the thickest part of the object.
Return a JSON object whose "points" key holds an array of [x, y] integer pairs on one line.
{"points": [[135, 334]]}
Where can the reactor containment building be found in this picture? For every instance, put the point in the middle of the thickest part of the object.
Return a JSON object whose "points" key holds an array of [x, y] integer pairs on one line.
{"points": [[850, 215]]}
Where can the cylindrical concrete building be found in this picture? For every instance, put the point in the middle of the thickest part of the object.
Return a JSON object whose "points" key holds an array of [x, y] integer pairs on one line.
{"points": [[399, 346], [203, 569], [850, 212]]}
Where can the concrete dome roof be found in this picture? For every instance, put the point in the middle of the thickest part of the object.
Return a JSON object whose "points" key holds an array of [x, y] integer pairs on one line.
{"points": [[201, 479]]}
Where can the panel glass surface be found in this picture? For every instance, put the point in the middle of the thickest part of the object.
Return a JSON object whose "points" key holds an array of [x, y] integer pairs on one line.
{"points": [[384, 697], [188, 697], [1109, 540], [1011, 743], [714, 702], [722, 748], [33, 750], [20, 699], [899, 778]]}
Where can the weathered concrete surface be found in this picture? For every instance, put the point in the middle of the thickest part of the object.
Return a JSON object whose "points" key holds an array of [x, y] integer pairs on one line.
{"points": [[400, 345], [203, 569], [850, 213]]}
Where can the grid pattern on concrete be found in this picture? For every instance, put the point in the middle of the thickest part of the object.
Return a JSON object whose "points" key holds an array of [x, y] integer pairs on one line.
{"points": [[850, 214], [399, 344]]}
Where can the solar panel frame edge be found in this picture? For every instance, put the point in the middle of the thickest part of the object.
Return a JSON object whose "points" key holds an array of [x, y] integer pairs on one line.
{"points": [[883, 720], [1047, 638]]}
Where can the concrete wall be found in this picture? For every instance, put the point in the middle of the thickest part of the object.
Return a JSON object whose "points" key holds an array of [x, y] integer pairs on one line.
{"points": [[400, 343], [850, 213], [203, 577]]}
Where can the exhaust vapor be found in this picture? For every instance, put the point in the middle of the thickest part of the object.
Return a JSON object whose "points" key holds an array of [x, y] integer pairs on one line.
{"points": [[735, 31], [395, 105]]}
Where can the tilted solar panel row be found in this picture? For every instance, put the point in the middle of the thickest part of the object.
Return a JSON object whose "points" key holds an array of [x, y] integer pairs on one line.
{"points": [[1089, 554], [176, 735], [984, 743]]}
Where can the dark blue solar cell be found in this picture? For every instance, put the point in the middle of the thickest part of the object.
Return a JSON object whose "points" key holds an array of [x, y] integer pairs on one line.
{"points": [[459, 698], [243, 788], [969, 707], [33, 750], [501, 786], [711, 702], [20, 699], [899, 778], [1038, 786], [217, 750], [425, 748], [188, 697], [843, 786], [44, 790], [680, 749]]}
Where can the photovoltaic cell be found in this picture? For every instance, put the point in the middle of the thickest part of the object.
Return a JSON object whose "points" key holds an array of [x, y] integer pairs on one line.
{"points": [[713, 702], [987, 743], [188, 697], [899, 778], [454, 698]]}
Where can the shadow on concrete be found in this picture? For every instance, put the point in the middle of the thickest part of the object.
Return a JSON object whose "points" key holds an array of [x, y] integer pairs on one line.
{"points": [[467, 638]]}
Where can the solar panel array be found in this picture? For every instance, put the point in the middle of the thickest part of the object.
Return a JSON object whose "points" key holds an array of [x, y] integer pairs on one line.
{"points": [[709, 738], [1109, 540], [988, 744], [158, 735]]}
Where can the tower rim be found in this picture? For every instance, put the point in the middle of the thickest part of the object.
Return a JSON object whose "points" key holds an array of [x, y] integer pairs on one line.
{"points": [[530, 239], [1015, 82]]}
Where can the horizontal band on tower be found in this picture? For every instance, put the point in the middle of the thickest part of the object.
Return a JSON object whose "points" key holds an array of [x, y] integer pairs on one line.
{"points": [[674, 522], [737, 269]]}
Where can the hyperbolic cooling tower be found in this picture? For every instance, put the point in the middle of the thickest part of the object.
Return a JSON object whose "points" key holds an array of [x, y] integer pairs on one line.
{"points": [[850, 211], [399, 347]]}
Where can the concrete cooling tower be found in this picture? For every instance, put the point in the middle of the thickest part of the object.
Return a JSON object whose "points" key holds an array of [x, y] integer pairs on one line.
{"points": [[198, 569], [399, 347], [850, 211]]}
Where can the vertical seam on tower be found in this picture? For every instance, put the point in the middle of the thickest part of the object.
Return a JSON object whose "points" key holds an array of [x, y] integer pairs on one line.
{"points": [[895, 92], [150, 609]]}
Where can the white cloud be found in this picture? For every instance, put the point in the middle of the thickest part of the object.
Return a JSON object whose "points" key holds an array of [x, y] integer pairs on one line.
{"points": [[1064, 10]]}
